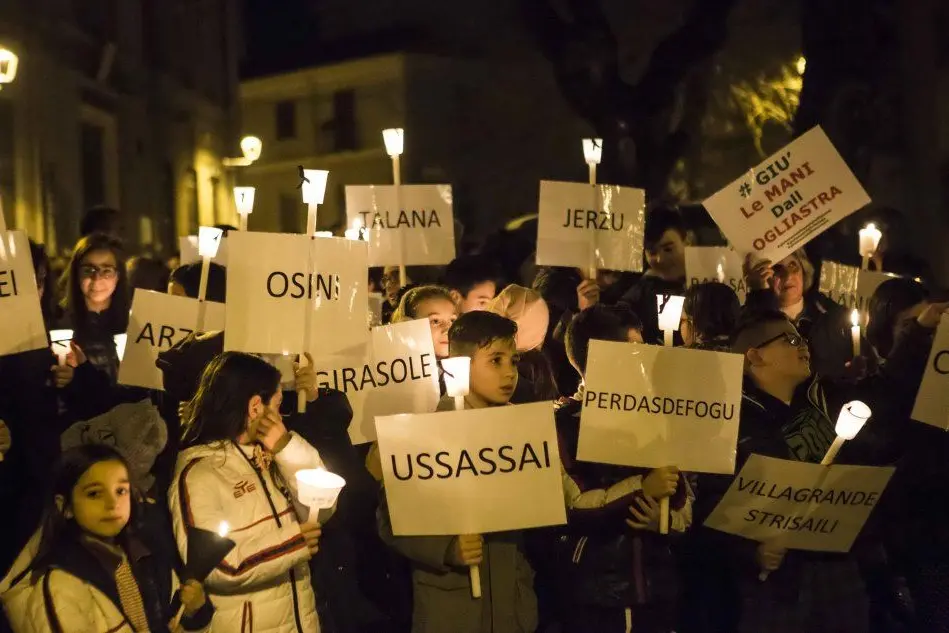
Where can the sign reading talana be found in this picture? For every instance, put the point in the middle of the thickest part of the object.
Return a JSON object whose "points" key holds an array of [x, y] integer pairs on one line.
{"points": [[789, 199], [582, 226], [274, 279], [410, 224], [638, 410], [398, 375], [159, 321], [21, 319], [472, 472], [705, 264], [932, 400], [799, 505]]}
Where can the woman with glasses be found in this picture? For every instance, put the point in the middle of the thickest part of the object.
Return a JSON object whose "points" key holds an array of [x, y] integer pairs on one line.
{"points": [[96, 299]]}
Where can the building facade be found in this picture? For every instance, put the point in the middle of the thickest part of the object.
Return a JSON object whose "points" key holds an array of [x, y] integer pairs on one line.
{"points": [[124, 103]]}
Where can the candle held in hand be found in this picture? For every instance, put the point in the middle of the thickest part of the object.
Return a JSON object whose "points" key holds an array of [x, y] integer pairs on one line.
{"points": [[855, 332]]}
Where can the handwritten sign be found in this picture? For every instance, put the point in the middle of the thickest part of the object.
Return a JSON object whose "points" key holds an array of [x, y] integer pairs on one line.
{"points": [[472, 472], [715, 263], [581, 225], [274, 279], [410, 224], [932, 400], [800, 505], [21, 319], [640, 409], [158, 322], [789, 199], [399, 374]]}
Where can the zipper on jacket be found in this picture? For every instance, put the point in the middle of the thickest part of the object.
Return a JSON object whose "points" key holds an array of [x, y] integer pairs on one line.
{"points": [[296, 601]]}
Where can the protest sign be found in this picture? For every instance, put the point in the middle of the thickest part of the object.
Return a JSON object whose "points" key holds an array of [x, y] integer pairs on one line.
{"points": [[839, 283], [800, 505], [472, 472], [867, 283], [273, 279], [157, 322], [188, 247], [399, 374], [715, 263], [642, 407], [932, 400], [583, 226], [789, 199], [410, 225], [21, 324]]}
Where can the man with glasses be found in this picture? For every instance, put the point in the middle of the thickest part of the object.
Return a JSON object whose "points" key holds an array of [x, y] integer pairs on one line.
{"points": [[789, 413]]}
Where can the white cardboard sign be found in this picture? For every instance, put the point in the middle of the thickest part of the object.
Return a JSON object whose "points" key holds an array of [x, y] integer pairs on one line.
{"points": [[715, 263], [275, 279], [653, 406], [932, 400], [850, 286], [158, 322], [21, 319], [789, 199], [581, 225], [188, 247], [800, 505], [398, 375], [472, 472], [412, 225]]}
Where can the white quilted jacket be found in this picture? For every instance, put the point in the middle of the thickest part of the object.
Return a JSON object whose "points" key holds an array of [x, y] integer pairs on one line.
{"points": [[263, 586]]}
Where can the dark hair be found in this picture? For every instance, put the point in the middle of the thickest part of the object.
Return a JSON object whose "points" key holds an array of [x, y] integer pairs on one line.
{"points": [[712, 310], [225, 228], [465, 272], [117, 316], [147, 273], [476, 330], [742, 338], [658, 221], [218, 411], [599, 322], [55, 527], [412, 298], [535, 368], [891, 297], [188, 276], [99, 219], [41, 262]]}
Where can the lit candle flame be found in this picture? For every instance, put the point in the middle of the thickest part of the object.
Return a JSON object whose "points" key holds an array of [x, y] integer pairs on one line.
{"points": [[223, 529], [855, 317]]}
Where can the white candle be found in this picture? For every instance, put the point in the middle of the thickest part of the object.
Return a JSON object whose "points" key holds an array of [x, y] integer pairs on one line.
{"points": [[870, 237], [669, 310], [855, 332]]}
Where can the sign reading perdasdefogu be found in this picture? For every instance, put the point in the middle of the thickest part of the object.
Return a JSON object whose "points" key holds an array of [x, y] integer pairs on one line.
{"points": [[799, 505], [399, 374], [275, 279], [655, 406], [471, 472], [21, 319], [705, 264], [581, 225], [406, 225], [159, 321], [932, 400], [789, 199]]}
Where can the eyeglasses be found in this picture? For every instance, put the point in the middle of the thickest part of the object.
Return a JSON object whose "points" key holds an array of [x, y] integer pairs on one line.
{"points": [[91, 272], [794, 340]]}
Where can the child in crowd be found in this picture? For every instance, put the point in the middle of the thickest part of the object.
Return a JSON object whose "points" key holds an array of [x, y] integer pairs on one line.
{"points": [[472, 280], [238, 465], [443, 601], [709, 315], [92, 567], [613, 570], [434, 303], [185, 281]]}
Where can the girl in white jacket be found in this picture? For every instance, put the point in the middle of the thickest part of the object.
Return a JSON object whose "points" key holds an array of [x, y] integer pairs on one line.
{"points": [[238, 465], [94, 566]]}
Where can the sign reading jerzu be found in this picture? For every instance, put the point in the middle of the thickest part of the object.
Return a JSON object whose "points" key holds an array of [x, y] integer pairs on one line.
{"points": [[789, 199], [472, 472], [800, 505]]}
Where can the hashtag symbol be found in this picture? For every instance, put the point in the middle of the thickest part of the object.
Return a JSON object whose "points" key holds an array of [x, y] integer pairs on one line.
{"points": [[744, 190]]}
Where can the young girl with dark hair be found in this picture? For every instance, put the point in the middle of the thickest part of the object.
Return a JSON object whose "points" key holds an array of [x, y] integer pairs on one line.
{"points": [[91, 567], [238, 465], [96, 299], [709, 315]]}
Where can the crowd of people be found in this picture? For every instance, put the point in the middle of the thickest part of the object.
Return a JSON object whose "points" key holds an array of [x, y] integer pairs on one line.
{"points": [[105, 484]]}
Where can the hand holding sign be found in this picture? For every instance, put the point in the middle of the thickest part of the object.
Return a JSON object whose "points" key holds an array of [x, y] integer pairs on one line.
{"points": [[466, 550], [661, 482], [758, 275], [305, 379], [588, 294], [769, 557], [930, 317], [646, 512]]}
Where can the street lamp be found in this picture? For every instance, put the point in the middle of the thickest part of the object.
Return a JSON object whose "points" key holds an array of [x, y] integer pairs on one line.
{"points": [[8, 64], [251, 146]]}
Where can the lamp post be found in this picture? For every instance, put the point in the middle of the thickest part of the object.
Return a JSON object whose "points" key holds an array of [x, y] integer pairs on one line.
{"points": [[8, 66]]}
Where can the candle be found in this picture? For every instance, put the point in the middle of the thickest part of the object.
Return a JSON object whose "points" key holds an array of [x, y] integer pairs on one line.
{"points": [[244, 201], [669, 310], [223, 529], [318, 489], [457, 371], [855, 331], [851, 419], [870, 237]]}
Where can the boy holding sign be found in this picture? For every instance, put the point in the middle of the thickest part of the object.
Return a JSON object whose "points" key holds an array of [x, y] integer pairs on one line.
{"points": [[613, 513], [788, 414], [442, 591]]}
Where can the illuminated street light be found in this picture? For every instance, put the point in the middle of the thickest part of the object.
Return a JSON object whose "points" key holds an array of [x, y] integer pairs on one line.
{"points": [[251, 146], [801, 65], [8, 65]]}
